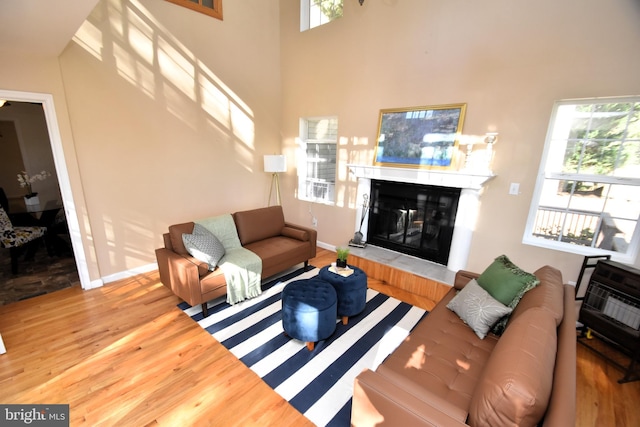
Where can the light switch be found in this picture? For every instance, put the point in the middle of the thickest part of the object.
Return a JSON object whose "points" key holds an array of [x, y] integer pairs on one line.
{"points": [[514, 188]]}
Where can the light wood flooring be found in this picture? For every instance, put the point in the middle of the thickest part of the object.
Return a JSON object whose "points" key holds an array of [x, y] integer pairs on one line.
{"points": [[125, 355]]}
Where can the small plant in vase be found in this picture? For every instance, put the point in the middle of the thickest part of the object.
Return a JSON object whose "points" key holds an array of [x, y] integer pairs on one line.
{"points": [[342, 253], [25, 180]]}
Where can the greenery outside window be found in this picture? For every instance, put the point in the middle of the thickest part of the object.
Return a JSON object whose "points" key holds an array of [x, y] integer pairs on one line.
{"points": [[587, 196], [208, 7], [317, 160], [314, 13]]}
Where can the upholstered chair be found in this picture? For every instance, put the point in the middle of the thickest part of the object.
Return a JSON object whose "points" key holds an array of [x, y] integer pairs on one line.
{"points": [[15, 238]]}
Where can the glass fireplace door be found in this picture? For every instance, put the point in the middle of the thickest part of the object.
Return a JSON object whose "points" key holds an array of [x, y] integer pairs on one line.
{"points": [[413, 219]]}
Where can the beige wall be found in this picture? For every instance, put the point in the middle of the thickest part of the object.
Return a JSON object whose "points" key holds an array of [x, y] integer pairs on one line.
{"points": [[171, 112], [509, 61]]}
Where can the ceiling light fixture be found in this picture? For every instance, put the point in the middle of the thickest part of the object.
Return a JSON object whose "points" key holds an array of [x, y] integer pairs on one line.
{"points": [[361, 1]]}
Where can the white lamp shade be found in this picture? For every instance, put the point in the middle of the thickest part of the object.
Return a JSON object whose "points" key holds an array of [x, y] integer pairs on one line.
{"points": [[275, 163]]}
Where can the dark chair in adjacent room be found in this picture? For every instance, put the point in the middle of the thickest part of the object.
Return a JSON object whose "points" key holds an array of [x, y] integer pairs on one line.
{"points": [[21, 219], [17, 238]]}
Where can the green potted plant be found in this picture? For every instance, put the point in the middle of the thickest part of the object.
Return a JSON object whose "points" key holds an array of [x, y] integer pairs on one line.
{"points": [[342, 253]]}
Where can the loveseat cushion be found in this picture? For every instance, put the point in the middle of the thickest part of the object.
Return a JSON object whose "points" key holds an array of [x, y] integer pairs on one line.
{"points": [[259, 224], [516, 383]]}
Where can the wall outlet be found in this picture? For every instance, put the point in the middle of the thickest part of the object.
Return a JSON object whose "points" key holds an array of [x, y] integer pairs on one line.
{"points": [[514, 189], [314, 221]]}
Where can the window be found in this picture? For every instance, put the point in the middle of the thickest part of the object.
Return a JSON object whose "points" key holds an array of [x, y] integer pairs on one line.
{"points": [[317, 164], [314, 13], [208, 7], [587, 197]]}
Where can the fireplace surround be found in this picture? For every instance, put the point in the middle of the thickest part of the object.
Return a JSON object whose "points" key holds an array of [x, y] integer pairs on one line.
{"points": [[469, 183]]}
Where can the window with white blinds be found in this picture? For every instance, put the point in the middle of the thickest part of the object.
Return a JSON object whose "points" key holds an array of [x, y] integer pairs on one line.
{"points": [[317, 165]]}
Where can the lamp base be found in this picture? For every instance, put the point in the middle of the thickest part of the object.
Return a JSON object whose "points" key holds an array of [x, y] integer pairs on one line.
{"points": [[275, 181]]}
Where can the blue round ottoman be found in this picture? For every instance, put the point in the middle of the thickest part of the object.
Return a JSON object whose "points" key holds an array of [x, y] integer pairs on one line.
{"points": [[351, 291], [309, 310]]}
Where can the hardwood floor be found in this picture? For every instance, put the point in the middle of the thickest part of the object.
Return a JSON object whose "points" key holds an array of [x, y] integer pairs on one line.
{"points": [[124, 354]]}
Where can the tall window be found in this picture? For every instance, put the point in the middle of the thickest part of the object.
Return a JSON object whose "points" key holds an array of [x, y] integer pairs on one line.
{"points": [[317, 164], [208, 7], [587, 197], [314, 13]]}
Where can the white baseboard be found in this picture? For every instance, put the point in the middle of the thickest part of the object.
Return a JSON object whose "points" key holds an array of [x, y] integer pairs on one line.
{"points": [[130, 273], [326, 246]]}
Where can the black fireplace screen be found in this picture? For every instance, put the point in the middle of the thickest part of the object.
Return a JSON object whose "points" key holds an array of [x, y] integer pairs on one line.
{"points": [[413, 219]]}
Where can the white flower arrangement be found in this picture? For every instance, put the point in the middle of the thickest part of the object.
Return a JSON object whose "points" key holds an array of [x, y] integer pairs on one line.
{"points": [[25, 180]]}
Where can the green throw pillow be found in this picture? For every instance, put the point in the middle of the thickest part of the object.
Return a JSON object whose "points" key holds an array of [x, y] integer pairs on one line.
{"points": [[506, 282]]}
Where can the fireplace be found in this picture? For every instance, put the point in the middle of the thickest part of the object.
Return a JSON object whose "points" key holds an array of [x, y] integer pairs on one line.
{"points": [[456, 219], [413, 219]]}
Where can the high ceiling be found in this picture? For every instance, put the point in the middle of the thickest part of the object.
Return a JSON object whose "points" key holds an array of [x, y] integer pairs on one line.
{"points": [[40, 27]]}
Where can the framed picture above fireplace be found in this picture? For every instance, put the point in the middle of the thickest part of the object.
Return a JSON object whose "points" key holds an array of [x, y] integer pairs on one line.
{"points": [[424, 137]]}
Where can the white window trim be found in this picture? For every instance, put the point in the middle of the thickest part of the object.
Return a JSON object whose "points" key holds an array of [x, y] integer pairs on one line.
{"points": [[305, 16], [629, 257], [302, 160]]}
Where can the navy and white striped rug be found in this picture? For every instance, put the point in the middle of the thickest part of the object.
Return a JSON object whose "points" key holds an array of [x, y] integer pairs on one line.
{"points": [[319, 384]]}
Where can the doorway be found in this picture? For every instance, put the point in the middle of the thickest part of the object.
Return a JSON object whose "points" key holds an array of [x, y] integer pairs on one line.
{"points": [[48, 154]]}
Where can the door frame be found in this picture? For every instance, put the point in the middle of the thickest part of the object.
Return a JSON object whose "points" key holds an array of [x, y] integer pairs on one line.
{"points": [[63, 176]]}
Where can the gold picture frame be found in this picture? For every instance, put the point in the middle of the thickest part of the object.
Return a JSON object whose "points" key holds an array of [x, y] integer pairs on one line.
{"points": [[420, 137]]}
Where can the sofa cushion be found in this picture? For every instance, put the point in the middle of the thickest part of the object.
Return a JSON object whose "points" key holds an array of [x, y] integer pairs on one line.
{"points": [[443, 356], [516, 382], [548, 295], [505, 281], [259, 224], [477, 308], [204, 246]]}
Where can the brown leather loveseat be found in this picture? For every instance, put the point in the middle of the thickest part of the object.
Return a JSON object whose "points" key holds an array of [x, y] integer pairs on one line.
{"points": [[279, 244], [445, 375]]}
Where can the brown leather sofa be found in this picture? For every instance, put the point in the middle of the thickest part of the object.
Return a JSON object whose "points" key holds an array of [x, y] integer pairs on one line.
{"points": [[444, 375], [279, 244]]}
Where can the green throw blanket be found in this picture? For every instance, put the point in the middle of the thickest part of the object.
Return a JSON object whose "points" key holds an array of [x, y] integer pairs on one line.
{"points": [[242, 268]]}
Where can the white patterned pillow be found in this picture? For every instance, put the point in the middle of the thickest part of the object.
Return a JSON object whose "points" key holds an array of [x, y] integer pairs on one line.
{"points": [[204, 246], [477, 308]]}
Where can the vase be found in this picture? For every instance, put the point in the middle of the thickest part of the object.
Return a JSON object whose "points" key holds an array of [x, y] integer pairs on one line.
{"points": [[32, 200], [341, 264]]}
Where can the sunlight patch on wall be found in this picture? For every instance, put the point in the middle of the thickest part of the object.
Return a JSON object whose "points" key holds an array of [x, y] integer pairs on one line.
{"points": [[140, 39], [90, 39], [149, 57], [176, 68], [243, 126]]}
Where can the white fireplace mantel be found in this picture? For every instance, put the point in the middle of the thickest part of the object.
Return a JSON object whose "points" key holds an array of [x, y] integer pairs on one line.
{"points": [[474, 180], [470, 183]]}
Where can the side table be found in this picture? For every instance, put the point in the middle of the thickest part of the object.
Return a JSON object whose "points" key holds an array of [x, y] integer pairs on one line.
{"points": [[351, 291]]}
